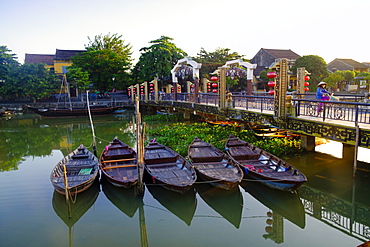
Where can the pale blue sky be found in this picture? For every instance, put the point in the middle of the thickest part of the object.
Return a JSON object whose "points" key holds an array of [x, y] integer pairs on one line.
{"points": [[330, 29]]}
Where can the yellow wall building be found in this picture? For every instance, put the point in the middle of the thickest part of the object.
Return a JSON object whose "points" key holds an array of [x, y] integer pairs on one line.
{"points": [[57, 63]]}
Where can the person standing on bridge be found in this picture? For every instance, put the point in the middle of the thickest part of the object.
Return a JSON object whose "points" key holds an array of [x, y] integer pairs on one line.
{"points": [[321, 94]]}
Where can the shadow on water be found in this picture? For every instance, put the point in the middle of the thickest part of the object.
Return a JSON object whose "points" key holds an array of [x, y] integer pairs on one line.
{"points": [[181, 205], [285, 203], [78, 206], [124, 199], [227, 203]]}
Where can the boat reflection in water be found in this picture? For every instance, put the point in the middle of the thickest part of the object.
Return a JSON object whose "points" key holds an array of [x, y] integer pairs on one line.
{"points": [[227, 203], [71, 213], [181, 205], [283, 204], [124, 199]]}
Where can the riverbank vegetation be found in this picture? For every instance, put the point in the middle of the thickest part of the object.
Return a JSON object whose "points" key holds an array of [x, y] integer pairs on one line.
{"points": [[178, 136]]}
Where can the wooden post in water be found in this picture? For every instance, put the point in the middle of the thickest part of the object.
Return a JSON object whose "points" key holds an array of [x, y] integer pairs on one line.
{"points": [[66, 190], [140, 148], [143, 233]]}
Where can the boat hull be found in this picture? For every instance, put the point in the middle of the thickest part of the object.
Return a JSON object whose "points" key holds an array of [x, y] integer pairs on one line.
{"points": [[82, 170], [118, 165], [264, 167], [214, 166], [168, 169], [75, 112]]}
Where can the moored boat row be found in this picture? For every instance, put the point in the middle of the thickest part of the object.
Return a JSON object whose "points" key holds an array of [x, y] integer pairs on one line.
{"points": [[164, 167]]}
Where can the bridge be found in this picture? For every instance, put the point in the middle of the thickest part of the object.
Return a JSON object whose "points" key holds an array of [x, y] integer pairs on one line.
{"points": [[342, 121], [346, 121]]}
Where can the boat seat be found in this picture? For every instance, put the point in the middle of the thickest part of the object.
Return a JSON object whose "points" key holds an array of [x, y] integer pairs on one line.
{"points": [[80, 156]]}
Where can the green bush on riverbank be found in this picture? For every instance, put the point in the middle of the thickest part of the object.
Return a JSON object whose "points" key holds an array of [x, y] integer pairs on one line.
{"points": [[178, 137]]}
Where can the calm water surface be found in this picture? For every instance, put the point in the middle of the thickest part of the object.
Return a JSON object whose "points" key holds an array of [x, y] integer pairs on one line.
{"points": [[331, 209]]}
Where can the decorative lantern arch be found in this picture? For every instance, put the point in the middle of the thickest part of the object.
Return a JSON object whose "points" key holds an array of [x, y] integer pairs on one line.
{"points": [[187, 66]]}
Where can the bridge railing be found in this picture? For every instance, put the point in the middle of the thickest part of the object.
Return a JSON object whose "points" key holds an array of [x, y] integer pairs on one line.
{"points": [[336, 110]]}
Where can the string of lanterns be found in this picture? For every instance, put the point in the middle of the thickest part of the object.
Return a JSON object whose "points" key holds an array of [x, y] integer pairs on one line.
{"points": [[271, 75], [212, 87]]}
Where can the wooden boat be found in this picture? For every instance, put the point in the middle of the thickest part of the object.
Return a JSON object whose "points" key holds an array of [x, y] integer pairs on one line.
{"points": [[270, 131], [263, 166], [213, 165], [118, 164], [74, 112], [81, 167], [168, 168]]}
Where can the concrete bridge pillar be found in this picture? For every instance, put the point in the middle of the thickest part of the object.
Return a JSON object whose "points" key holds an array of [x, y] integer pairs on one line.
{"points": [[308, 142], [187, 115], [348, 152]]}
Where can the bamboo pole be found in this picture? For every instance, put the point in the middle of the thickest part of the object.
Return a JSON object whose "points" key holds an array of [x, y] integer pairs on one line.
{"points": [[66, 190], [143, 232], [91, 122], [140, 148]]}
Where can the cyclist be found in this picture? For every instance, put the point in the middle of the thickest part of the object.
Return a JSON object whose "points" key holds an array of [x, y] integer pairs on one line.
{"points": [[322, 94]]}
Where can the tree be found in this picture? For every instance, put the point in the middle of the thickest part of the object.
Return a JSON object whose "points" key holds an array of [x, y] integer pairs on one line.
{"points": [[6, 61], [313, 64], [106, 57], [157, 60], [29, 80], [7, 64], [212, 60], [333, 79], [78, 78]]}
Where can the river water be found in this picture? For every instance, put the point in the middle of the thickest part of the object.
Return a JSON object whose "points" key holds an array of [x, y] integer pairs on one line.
{"points": [[331, 209]]}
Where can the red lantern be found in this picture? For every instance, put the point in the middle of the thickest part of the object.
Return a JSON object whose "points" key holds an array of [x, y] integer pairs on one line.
{"points": [[306, 78], [306, 89], [214, 84], [208, 84], [271, 74], [306, 84], [214, 91], [271, 84], [214, 78], [271, 92]]}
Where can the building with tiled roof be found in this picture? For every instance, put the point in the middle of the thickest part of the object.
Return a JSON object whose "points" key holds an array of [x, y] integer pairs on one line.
{"points": [[62, 59], [57, 62], [347, 64], [47, 59], [265, 58]]}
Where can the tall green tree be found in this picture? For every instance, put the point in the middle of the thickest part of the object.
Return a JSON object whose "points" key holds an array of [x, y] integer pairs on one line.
{"points": [[107, 57], [8, 63], [78, 79], [212, 60], [7, 60], [29, 80], [157, 60], [315, 65], [333, 79]]}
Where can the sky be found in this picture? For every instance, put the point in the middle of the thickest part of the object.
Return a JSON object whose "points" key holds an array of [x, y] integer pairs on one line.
{"points": [[327, 28]]}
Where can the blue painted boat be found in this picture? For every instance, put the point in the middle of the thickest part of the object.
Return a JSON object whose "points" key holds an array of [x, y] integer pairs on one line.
{"points": [[260, 165]]}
